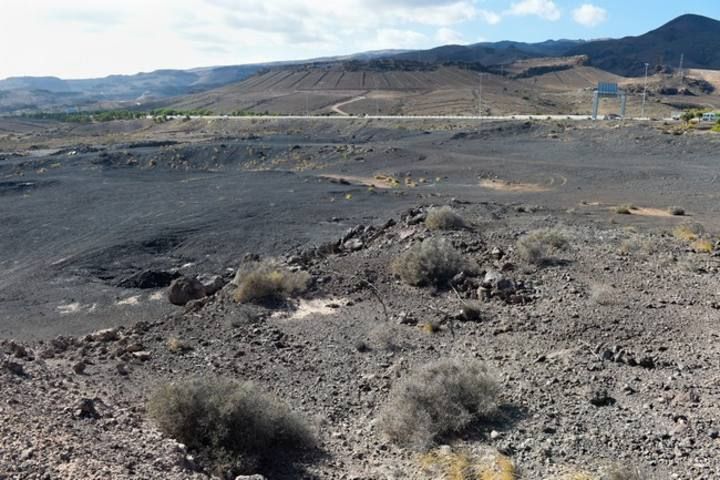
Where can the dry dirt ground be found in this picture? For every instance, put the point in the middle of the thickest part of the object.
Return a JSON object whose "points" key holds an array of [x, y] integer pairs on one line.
{"points": [[607, 356], [449, 91]]}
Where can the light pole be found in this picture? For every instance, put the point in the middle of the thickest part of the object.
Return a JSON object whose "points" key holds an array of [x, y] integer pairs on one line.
{"points": [[645, 90]]}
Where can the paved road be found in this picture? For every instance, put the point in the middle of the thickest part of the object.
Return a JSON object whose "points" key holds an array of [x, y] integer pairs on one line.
{"points": [[345, 116]]}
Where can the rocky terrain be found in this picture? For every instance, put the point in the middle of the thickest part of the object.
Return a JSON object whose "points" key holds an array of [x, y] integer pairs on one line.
{"points": [[605, 352]]}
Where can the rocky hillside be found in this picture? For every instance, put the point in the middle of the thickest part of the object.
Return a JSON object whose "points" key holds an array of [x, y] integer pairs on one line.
{"points": [[601, 344]]}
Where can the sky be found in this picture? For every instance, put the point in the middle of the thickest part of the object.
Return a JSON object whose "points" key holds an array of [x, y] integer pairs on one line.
{"points": [[94, 38]]}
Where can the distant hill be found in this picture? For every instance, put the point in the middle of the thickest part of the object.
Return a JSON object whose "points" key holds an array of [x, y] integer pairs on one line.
{"points": [[490, 53], [696, 36]]}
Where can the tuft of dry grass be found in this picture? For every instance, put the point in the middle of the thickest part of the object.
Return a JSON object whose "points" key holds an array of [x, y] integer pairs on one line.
{"points": [[538, 247], [432, 262], [626, 473], [441, 398], [231, 425], [176, 345], [444, 218], [267, 282], [604, 295], [688, 232], [702, 246], [451, 465]]}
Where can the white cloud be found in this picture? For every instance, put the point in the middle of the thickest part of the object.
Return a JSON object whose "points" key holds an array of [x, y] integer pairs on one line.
{"points": [[448, 36], [589, 15], [546, 9], [84, 38], [390, 38]]}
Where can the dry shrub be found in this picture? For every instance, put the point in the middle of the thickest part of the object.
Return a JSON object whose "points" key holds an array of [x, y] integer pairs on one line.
{"points": [[432, 262], [626, 473], [444, 218], [386, 337], [637, 245], [233, 426], [462, 465], [539, 247], [688, 232], [604, 295], [267, 282], [176, 345], [702, 246], [441, 398]]}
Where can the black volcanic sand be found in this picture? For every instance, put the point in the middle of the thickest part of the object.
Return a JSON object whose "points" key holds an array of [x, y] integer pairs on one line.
{"points": [[79, 221]]}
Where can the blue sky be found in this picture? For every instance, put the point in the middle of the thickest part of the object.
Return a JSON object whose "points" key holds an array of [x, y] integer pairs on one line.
{"points": [[90, 38]]}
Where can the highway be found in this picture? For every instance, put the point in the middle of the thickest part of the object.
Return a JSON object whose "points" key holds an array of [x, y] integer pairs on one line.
{"points": [[403, 117]]}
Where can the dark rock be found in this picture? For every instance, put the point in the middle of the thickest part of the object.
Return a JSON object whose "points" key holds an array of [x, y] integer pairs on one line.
{"points": [[212, 283], [85, 408], [14, 367], [184, 289], [149, 279], [601, 398]]}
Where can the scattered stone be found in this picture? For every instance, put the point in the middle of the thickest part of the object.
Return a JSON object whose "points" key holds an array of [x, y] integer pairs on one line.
{"points": [[85, 408], [14, 367], [79, 367], [212, 283], [601, 398], [106, 335]]}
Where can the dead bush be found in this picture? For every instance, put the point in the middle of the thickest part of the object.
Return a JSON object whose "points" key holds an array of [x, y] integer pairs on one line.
{"points": [[267, 282], [540, 246], [176, 345], [232, 426], [442, 398], [432, 262], [604, 295], [444, 218], [626, 473]]}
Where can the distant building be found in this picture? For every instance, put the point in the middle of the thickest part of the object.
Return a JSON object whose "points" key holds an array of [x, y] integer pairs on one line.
{"points": [[710, 117]]}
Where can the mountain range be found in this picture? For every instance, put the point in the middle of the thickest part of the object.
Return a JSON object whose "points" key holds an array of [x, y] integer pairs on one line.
{"points": [[693, 37]]}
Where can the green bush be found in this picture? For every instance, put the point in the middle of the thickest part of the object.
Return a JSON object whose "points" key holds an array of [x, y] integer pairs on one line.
{"points": [[233, 426]]}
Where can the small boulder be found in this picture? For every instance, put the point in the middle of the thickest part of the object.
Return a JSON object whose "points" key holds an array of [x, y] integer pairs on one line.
{"points": [[184, 289], [85, 408], [212, 283]]}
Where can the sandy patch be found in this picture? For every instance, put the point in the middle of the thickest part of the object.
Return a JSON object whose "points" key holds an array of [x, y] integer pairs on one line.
{"points": [[319, 307], [75, 307], [156, 296], [513, 187], [651, 212], [135, 300], [378, 181], [69, 308]]}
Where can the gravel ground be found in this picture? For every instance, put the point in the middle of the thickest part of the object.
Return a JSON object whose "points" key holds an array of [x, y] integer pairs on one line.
{"points": [[607, 356]]}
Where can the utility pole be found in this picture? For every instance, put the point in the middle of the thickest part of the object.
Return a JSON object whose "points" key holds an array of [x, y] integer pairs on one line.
{"points": [[647, 65], [480, 96], [682, 60]]}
